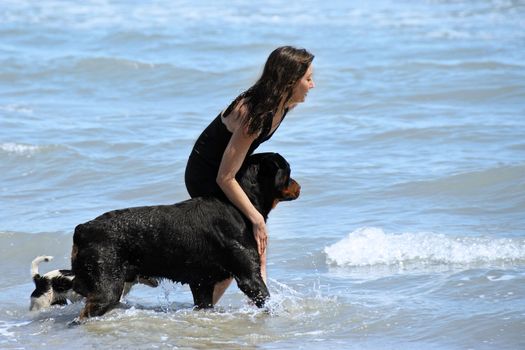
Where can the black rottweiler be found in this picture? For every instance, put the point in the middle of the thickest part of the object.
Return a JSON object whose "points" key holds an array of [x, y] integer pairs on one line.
{"points": [[200, 241]]}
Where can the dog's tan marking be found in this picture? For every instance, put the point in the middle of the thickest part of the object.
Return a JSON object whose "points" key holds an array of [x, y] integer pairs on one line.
{"points": [[74, 252]]}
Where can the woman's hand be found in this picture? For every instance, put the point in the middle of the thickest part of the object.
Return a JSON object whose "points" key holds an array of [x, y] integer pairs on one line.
{"points": [[260, 234]]}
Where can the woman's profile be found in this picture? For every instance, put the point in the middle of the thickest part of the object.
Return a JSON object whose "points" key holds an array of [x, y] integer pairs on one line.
{"points": [[251, 119]]}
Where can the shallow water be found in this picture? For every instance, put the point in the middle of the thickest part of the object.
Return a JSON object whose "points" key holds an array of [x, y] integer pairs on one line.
{"points": [[410, 152]]}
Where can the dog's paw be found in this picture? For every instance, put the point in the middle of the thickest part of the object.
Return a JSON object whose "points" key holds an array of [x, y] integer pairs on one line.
{"points": [[76, 322]]}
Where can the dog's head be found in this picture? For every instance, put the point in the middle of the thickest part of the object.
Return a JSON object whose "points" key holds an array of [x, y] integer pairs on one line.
{"points": [[265, 177], [51, 288]]}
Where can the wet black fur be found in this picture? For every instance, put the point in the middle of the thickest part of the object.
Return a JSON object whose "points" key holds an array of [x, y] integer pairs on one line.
{"points": [[200, 242]]}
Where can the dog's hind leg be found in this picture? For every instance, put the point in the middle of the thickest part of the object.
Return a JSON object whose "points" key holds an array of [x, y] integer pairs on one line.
{"points": [[101, 300], [104, 298], [202, 295], [102, 284]]}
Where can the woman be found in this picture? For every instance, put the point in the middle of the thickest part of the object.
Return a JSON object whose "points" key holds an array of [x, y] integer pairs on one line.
{"points": [[234, 134]]}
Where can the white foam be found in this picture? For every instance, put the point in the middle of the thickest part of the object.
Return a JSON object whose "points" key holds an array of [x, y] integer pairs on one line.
{"points": [[19, 149], [6, 329], [371, 246]]}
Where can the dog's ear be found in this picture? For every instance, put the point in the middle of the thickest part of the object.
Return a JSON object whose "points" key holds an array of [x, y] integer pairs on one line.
{"points": [[41, 282], [282, 178], [42, 285], [270, 165], [61, 284], [278, 166]]}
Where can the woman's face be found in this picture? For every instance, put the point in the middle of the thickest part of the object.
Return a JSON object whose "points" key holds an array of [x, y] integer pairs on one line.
{"points": [[303, 86]]}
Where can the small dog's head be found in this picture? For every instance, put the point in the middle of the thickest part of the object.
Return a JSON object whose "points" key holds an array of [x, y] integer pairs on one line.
{"points": [[51, 288]]}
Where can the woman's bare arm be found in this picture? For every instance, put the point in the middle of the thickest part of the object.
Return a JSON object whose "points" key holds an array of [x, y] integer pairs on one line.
{"points": [[231, 162]]}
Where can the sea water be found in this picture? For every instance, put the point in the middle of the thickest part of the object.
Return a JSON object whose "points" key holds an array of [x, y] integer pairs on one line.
{"points": [[409, 232]]}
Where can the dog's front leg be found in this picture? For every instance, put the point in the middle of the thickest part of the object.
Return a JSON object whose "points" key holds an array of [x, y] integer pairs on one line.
{"points": [[254, 288], [202, 295]]}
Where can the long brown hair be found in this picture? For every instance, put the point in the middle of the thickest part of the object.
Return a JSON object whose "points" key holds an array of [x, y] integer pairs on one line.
{"points": [[283, 69]]}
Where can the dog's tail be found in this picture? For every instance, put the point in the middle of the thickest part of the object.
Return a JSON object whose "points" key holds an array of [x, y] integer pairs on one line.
{"points": [[36, 262]]}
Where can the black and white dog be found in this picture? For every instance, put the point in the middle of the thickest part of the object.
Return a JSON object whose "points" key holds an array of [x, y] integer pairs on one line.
{"points": [[56, 287]]}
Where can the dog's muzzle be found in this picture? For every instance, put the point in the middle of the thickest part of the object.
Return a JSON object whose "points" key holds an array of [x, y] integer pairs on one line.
{"points": [[292, 191]]}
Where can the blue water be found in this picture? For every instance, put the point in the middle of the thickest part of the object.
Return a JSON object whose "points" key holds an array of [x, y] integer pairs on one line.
{"points": [[409, 232]]}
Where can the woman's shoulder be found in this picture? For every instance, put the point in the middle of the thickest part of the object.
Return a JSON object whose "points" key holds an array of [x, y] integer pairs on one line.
{"points": [[235, 116], [238, 109]]}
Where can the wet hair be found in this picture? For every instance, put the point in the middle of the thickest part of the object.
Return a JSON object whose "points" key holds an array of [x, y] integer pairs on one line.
{"points": [[283, 69]]}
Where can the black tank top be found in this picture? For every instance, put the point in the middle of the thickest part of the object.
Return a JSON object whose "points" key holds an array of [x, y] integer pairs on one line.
{"points": [[205, 158], [213, 140]]}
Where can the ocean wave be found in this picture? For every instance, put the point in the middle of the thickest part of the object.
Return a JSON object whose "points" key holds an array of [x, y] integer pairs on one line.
{"points": [[7, 330], [16, 109], [94, 14], [503, 179], [108, 64], [19, 149], [372, 246], [109, 69]]}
